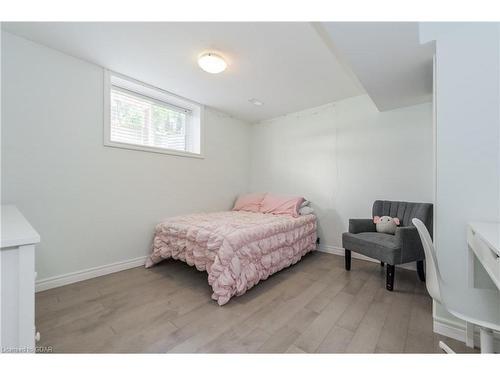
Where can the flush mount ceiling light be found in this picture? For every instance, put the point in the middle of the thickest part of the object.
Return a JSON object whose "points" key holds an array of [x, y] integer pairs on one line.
{"points": [[255, 102], [212, 63]]}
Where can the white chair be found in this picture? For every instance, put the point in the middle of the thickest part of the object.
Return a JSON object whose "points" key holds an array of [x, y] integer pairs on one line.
{"points": [[476, 306]]}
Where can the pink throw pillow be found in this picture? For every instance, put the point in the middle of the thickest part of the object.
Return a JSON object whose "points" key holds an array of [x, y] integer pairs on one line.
{"points": [[281, 205], [249, 202]]}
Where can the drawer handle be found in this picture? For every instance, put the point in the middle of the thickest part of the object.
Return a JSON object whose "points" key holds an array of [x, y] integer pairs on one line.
{"points": [[495, 254]]}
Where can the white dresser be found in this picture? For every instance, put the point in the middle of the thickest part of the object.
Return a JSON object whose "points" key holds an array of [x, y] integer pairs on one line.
{"points": [[17, 282]]}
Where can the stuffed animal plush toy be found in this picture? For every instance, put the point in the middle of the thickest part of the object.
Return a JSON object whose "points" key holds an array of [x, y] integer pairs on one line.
{"points": [[386, 224]]}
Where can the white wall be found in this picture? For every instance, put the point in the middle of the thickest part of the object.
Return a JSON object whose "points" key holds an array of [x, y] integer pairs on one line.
{"points": [[468, 130], [344, 156], [96, 205]]}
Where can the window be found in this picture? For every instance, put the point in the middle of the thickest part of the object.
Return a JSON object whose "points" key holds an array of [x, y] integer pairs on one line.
{"points": [[141, 117]]}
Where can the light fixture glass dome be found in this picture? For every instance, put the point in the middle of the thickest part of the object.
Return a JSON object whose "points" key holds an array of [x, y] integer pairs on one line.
{"points": [[212, 63]]}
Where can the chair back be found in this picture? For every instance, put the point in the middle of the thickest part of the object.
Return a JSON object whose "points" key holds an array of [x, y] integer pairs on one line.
{"points": [[432, 275], [405, 212]]}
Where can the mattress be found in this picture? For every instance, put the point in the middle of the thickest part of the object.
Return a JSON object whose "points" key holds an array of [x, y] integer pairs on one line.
{"points": [[237, 249]]}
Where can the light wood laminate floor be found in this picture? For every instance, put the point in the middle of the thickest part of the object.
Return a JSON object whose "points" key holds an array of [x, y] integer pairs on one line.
{"points": [[314, 306]]}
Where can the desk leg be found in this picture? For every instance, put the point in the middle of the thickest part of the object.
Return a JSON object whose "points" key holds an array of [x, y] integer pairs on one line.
{"points": [[469, 335], [486, 340], [470, 267]]}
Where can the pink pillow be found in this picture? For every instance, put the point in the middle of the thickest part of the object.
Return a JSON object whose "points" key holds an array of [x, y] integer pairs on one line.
{"points": [[281, 205], [249, 202]]}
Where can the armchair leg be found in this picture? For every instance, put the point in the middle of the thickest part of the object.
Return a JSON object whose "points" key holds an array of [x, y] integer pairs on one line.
{"points": [[390, 277], [347, 260], [420, 270]]}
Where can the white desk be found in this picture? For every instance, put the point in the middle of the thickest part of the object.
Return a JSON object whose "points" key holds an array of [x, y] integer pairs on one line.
{"points": [[483, 240], [17, 282], [484, 245]]}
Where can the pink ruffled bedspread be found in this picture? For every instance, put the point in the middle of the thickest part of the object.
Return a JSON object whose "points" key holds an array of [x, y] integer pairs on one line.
{"points": [[236, 248]]}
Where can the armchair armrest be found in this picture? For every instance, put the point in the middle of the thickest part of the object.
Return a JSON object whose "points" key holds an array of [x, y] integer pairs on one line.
{"points": [[361, 225]]}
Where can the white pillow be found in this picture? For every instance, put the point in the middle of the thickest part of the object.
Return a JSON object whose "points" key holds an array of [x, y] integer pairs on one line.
{"points": [[306, 210], [305, 203]]}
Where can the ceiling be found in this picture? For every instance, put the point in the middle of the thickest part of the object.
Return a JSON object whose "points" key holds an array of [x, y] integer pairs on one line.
{"points": [[289, 66], [284, 65], [387, 59]]}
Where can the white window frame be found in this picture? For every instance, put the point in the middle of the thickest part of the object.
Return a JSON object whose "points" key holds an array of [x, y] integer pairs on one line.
{"points": [[154, 93]]}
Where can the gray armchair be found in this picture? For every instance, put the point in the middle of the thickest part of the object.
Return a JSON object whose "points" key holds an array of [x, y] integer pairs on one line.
{"points": [[402, 247]]}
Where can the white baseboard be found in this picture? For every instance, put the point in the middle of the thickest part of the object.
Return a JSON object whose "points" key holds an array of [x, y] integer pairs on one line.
{"points": [[89, 273], [341, 251], [452, 330], [448, 329]]}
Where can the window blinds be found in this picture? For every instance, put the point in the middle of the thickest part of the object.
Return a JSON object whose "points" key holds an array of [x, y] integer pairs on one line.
{"points": [[139, 120]]}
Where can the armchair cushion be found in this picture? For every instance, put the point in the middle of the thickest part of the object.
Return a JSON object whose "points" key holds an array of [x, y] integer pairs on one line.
{"points": [[361, 225], [382, 246]]}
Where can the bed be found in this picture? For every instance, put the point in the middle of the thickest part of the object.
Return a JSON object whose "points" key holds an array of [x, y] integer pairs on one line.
{"points": [[236, 248]]}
